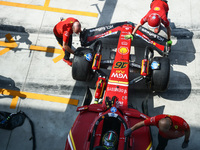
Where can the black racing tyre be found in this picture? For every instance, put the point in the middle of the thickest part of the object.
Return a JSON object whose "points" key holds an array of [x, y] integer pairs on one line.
{"points": [[160, 77], [145, 107], [82, 68]]}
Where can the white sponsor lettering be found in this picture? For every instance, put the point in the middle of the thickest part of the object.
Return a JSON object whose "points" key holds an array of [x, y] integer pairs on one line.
{"points": [[105, 34], [112, 115], [119, 103], [127, 28], [124, 97], [119, 75], [124, 43], [112, 89], [152, 34], [102, 28]]}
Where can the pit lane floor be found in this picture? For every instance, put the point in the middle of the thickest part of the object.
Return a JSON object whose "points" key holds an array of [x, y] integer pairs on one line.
{"points": [[48, 94]]}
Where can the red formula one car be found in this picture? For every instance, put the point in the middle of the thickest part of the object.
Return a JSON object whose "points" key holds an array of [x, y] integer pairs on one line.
{"points": [[101, 125]]}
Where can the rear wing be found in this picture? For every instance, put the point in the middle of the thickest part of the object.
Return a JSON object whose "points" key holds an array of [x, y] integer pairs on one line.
{"points": [[89, 36]]}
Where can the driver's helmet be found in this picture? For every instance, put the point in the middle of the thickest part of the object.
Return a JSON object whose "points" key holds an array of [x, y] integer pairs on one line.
{"points": [[154, 21], [110, 139]]}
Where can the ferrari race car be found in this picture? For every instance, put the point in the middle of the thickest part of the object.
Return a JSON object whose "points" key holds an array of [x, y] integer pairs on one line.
{"points": [[101, 125], [155, 70]]}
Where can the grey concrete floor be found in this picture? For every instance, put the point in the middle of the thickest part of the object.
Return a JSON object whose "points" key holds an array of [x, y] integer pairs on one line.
{"points": [[35, 72]]}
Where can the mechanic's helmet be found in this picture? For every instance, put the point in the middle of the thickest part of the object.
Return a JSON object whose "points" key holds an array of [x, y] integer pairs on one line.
{"points": [[110, 139], [154, 21]]}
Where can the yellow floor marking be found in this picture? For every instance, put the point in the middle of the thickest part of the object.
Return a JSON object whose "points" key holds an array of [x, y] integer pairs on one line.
{"points": [[46, 4], [46, 8], [49, 50], [46, 49], [9, 45], [14, 102], [58, 58], [55, 60], [5, 50], [12, 44], [17, 94]]}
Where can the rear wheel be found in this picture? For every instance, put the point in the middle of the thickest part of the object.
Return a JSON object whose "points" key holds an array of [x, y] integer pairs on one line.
{"points": [[160, 75], [82, 64]]}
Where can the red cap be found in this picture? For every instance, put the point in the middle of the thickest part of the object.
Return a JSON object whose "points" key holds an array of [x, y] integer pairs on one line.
{"points": [[154, 21]]}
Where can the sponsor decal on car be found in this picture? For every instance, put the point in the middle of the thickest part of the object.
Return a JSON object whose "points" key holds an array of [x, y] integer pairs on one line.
{"points": [[124, 98], [113, 115], [152, 34], [120, 90], [124, 43], [120, 71], [119, 75], [113, 109], [145, 38], [89, 57], [123, 50], [118, 83], [105, 34], [119, 103], [121, 65], [128, 27], [102, 28], [155, 65]]}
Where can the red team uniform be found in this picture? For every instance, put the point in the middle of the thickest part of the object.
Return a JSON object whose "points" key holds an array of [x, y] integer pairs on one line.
{"points": [[64, 29], [158, 7], [63, 32], [178, 128]]}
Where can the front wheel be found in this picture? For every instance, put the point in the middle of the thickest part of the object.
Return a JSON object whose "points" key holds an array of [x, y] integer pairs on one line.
{"points": [[160, 75], [82, 64]]}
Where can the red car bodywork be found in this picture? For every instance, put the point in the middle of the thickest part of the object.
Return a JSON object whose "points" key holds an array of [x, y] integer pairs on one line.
{"points": [[113, 114]]}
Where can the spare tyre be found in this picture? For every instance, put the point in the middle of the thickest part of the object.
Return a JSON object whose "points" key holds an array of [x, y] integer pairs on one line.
{"points": [[82, 64], [160, 74]]}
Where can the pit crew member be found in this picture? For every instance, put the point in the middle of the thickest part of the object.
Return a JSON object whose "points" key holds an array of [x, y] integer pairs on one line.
{"points": [[63, 32], [170, 127], [156, 15]]}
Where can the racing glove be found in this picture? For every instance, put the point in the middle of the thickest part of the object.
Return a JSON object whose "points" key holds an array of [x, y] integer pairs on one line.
{"points": [[169, 42], [185, 144], [130, 36], [127, 132]]}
